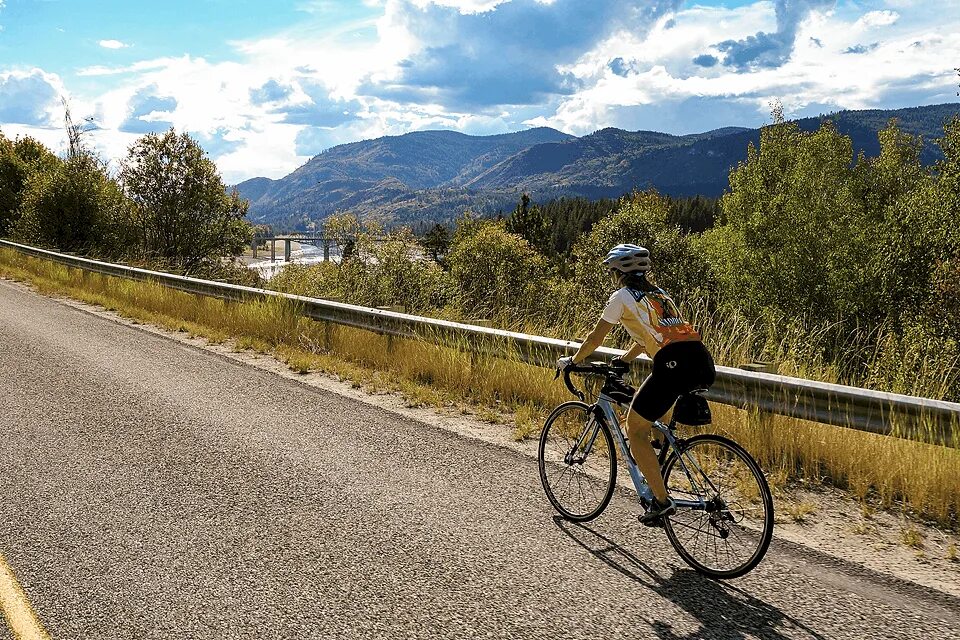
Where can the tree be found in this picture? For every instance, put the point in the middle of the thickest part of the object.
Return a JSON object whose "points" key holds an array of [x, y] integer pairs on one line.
{"points": [[18, 161], [437, 242], [900, 196], [72, 204], [945, 304], [497, 273], [13, 175], [77, 207], [35, 155], [342, 230], [641, 218], [797, 237], [398, 276], [185, 215], [531, 224]]}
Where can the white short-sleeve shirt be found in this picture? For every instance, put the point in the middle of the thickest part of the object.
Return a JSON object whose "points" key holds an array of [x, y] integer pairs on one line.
{"points": [[648, 313]]}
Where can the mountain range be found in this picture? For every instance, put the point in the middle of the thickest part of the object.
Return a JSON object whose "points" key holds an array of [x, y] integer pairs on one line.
{"points": [[428, 176]]}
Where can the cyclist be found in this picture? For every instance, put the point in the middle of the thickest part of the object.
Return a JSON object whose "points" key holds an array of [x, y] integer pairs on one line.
{"points": [[681, 363]]}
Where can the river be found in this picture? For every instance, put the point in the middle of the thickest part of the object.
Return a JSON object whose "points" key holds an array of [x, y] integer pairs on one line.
{"points": [[306, 254]]}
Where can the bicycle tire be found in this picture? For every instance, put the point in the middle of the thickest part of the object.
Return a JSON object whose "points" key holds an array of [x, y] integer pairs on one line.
{"points": [[723, 519], [561, 431]]}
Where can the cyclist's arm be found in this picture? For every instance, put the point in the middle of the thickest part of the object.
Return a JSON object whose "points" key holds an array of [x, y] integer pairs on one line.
{"points": [[593, 341], [633, 352]]}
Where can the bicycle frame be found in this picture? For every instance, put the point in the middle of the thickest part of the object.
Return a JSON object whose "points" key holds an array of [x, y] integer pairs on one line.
{"points": [[604, 406]]}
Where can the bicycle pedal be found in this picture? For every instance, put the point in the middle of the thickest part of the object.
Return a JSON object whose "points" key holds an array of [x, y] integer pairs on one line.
{"points": [[656, 522]]}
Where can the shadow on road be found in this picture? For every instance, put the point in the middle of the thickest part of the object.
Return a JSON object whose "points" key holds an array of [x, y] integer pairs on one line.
{"points": [[723, 610]]}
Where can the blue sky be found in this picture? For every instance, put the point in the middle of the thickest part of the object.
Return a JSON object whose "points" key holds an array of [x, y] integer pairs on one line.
{"points": [[264, 86]]}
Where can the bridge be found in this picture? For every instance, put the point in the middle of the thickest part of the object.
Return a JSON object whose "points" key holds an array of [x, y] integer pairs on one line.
{"points": [[316, 240], [287, 240]]}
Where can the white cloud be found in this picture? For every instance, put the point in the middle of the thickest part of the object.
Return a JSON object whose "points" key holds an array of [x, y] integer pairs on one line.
{"points": [[463, 6], [145, 65], [904, 63], [53, 139], [215, 102], [30, 97], [877, 19], [113, 44]]}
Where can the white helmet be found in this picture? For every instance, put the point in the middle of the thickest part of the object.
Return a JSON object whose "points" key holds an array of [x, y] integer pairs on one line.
{"points": [[628, 258]]}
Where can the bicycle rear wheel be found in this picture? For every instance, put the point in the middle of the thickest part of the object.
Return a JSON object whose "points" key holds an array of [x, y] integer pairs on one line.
{"points": [[729, 534], [578, 464]]}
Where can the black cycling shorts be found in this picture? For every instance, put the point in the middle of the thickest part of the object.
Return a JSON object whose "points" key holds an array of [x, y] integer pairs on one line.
{"points": [[678, 368]]}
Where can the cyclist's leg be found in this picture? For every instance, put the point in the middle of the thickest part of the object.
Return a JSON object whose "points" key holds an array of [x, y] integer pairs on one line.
{"points": [[653, 399], [638, 432], [670, 377]]}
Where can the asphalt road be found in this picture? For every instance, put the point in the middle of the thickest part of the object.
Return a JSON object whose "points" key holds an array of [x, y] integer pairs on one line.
{"points": [[154, 490]]}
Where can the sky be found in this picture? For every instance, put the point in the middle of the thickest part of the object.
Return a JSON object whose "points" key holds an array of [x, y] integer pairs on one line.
{"points": [[264, 86]]}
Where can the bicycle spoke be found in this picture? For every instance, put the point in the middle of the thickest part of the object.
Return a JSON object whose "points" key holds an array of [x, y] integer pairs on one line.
{"points": [[720, 540], [576, 469]]}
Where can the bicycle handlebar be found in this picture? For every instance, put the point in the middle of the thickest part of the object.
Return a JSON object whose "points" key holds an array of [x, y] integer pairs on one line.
{"points": [[569, 383], [597, 368]]}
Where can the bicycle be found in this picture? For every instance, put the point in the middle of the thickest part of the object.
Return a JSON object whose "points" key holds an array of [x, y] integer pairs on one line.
{"points": [[723, 501]]}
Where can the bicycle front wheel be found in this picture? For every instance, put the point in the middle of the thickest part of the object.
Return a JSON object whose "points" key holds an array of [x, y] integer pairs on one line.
{"points": [[728, 532], [578, 464]]}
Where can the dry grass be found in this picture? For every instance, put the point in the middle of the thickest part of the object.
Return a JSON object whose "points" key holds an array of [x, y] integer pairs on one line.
{"points": [[799, 511], [922, 477], [528, 420], [911, 537]]}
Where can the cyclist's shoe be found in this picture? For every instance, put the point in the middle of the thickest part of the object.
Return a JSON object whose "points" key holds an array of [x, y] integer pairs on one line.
{"points": [[654, 515]]}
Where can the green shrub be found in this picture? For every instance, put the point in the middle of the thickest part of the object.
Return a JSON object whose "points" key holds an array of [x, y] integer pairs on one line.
{"points": [[75, 206], [497, 274]]}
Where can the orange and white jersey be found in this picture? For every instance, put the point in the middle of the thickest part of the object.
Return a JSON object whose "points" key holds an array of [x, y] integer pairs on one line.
{"points": [[648, 315]]}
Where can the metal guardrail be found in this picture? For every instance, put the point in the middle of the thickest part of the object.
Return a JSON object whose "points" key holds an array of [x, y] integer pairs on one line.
{"points": [[874, 411]]}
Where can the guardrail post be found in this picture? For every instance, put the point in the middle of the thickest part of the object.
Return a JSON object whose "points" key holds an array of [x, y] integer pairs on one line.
{"points": [[273, 250], [254, 245], [328, 328], [762, 419], [396, 309], [474, 354], [326, 251], [286, 250]]}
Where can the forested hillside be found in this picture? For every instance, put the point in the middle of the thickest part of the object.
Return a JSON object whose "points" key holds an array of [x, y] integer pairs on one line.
{"points": [[397, 178], [830, 265], [437, 175]]}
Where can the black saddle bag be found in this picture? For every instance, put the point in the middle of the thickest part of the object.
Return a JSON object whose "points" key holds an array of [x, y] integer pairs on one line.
{"points": [[692, 409]]}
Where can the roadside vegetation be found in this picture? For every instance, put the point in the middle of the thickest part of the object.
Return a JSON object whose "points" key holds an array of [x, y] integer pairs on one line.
{"points": [[823, 265], [826, 266], [166, 207]]}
